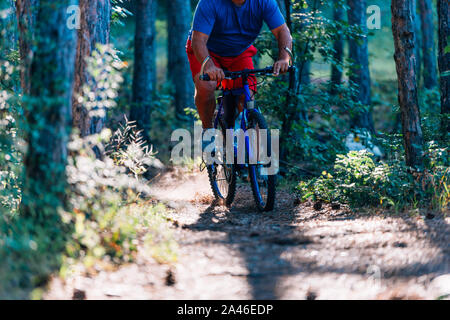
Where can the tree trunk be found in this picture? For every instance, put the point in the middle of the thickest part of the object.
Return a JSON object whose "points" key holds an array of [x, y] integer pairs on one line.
{"points": [[144, 64], [94, 28], [48, 116], [418, 51], [404, 40], [338, 47], [26, 11], [359, 53], [294, 112], [428, 44], [444, 65], [282, 6], [304, 66], [179, 22]]}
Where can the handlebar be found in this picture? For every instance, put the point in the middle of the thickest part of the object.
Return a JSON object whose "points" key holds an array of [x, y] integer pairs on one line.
{"points": [[232, 75]]}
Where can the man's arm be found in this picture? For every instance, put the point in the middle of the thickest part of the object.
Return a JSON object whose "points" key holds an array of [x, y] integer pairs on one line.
{"points": [[284, 38], [199, 41]]}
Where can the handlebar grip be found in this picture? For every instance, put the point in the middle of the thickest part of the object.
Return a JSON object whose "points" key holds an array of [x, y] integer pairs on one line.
{"points": [[205, 77]]}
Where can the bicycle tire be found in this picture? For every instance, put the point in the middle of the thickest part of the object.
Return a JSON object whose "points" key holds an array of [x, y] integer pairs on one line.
{"points": [[256, 118], [231, 192]]}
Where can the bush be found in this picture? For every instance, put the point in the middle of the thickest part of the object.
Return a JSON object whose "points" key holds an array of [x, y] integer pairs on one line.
{"points": [[359, 181], [110, 210], [109, 215], [316, 119]]}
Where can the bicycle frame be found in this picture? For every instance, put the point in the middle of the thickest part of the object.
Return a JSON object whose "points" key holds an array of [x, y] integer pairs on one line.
{"points": [[249, 113], [248, 97]]}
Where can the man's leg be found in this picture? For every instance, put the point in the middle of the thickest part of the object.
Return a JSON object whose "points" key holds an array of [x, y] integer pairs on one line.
{"points": [[205, 101]]}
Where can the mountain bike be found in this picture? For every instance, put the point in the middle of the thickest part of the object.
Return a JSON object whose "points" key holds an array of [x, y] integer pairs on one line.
{"points": [[223, 174]]}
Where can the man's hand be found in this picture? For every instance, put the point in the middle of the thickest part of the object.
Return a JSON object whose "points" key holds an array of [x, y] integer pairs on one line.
{"points": [[215, 74], [284, 38], [281, 66], [199, 41]]}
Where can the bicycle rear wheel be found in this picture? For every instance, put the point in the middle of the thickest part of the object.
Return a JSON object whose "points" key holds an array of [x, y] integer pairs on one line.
{"points": [[263, 185]]}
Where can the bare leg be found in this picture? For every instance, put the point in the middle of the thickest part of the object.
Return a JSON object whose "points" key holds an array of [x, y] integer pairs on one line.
{"points": [[205, 101]]}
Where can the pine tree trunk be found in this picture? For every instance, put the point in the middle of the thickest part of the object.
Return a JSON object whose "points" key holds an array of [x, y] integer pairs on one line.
{"points": [[444, 65], [359, 53], [94, 28], [26, 11], [179, 22], [338, 47], [294, 112], [304, 67], [48, 115], [428, 44], [418, 51], [282, 6], [403, 20], [286, 119], [144, 64]]}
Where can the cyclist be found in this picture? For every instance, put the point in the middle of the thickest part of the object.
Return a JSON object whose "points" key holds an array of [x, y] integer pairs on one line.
{"points": [[221, 37]]}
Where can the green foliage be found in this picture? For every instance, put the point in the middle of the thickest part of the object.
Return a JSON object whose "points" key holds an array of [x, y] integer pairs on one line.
{"points": [[128, 148], [119, 12], [101, 89], [359, 181], [10, 156], [110, 214], [319, 119]]}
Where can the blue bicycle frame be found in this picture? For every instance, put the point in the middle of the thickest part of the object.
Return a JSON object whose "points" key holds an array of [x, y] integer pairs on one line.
{"points": [[248, 97]]}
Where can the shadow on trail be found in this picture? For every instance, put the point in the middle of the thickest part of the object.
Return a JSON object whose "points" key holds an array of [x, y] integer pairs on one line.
{"points": [[274, 245], [260, 238], [437, 232]]}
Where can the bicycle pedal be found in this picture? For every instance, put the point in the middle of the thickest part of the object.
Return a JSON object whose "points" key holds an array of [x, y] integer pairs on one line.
{"points": [[203, 166]]}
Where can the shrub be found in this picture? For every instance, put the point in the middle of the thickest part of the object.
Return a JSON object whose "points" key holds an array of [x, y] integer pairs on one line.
{"points": [[359, 181], [110, 213]]}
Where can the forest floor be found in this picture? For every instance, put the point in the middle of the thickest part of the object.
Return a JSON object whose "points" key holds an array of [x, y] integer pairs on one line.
{"points": [[295, 252]]}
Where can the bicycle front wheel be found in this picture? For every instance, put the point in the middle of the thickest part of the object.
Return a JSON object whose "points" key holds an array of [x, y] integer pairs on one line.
{"points": [[263, 184], [222, 176]]}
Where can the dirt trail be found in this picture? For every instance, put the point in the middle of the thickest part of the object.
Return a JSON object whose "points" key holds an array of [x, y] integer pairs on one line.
{"points": [[295, 252]]}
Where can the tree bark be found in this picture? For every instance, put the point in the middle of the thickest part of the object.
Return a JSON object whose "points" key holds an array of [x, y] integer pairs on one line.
{"points": [[338, 47], [48, 115], [179, 22], [428, 44], [94, 29], [303, 66], [294, 112], [144, 65], [403, 20], [359, 53], [282, 6], [26, 11], [418, 51], [444, 65]]}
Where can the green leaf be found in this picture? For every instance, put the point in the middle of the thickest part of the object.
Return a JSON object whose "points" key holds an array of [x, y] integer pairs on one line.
{"points": [[447, 49]]}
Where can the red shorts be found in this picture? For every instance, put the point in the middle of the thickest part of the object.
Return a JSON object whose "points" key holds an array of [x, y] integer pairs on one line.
{"points": [[239, 63]]}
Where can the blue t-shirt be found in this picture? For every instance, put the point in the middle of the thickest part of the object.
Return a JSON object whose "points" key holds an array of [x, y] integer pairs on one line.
{"points": [[233, 29]]}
